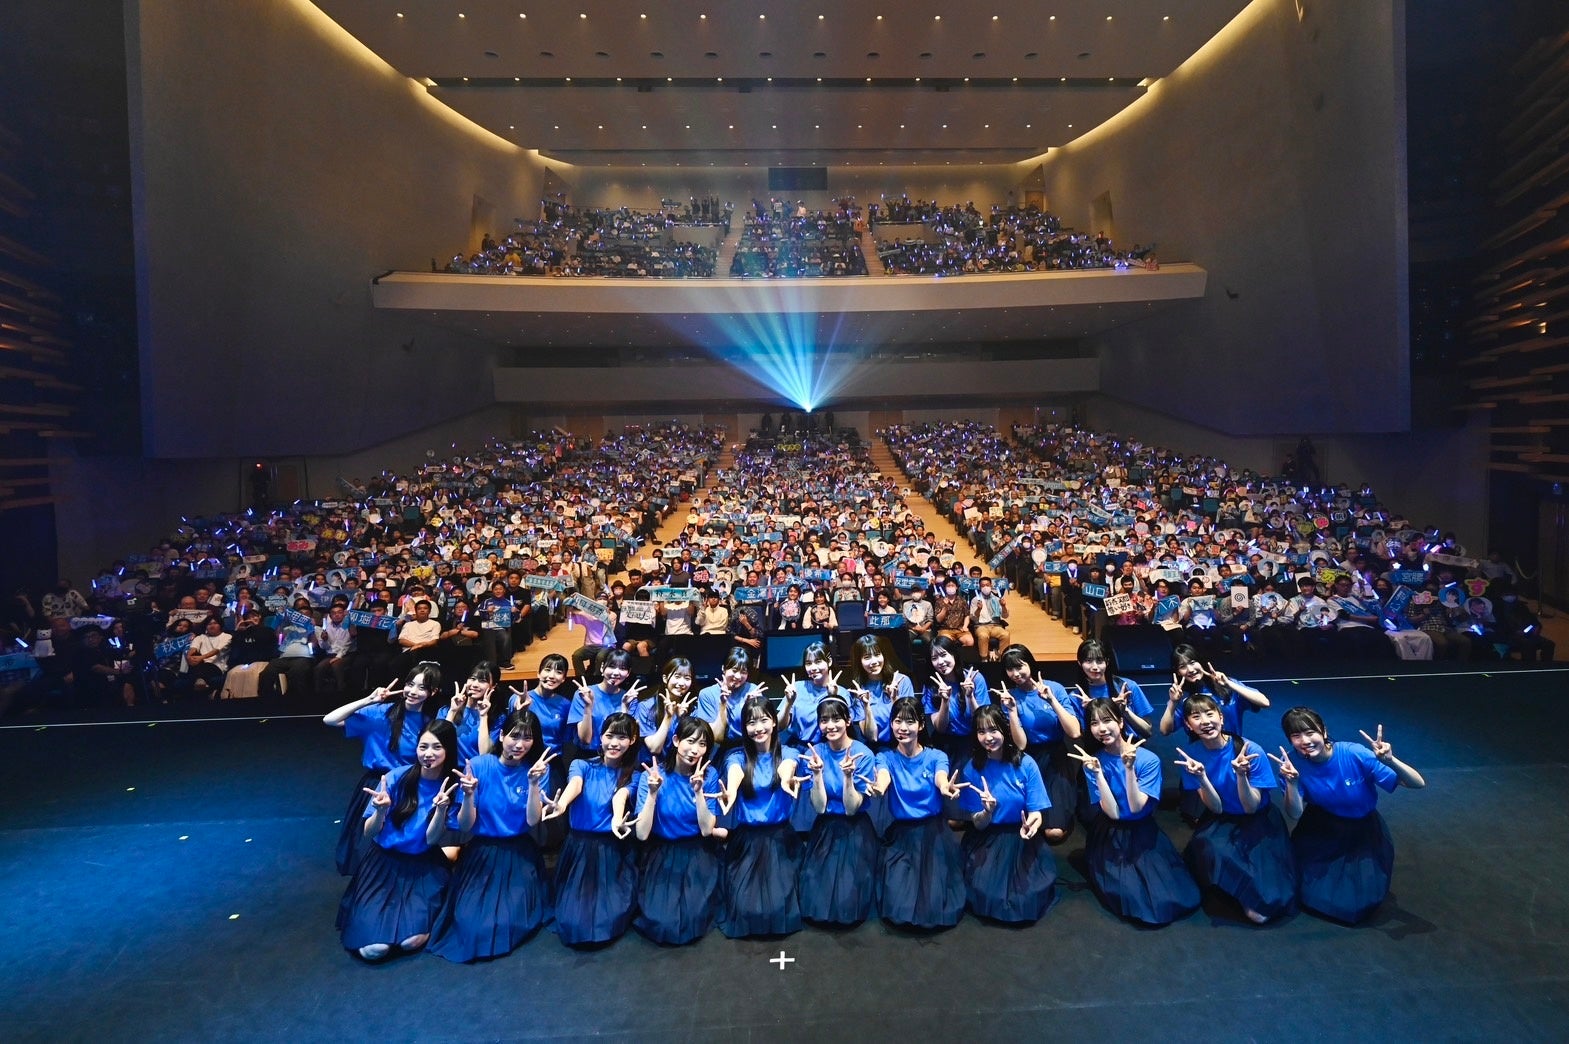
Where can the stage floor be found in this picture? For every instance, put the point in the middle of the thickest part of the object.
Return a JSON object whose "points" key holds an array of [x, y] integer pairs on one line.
{"points": [[173, 880]]}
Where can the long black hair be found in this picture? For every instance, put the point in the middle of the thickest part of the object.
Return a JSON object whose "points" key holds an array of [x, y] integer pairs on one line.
{"points": [[1091, 649], [430, 670], [405, 792], [620, 723], [528, 721], [753, 707], [689, 727]]}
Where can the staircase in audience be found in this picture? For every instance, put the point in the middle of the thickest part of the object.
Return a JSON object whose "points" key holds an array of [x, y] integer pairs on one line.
{"points": [[874, 264], [1028, 623]]}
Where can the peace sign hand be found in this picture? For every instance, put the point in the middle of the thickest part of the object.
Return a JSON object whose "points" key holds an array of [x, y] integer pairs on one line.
{"points": [[630, 696], [653, 776], [459, 700], [1381, 750], [1091, 763], [813, 760], [621, 827], [988, 800], [1083, 697], [847, 764], [466, 778], [967, 686], [586, 691], [833, 683], [941, 686], [379, 798], [541, 768], [1130, 752], [1175, 693], [1121, 698], [443, 796], [1283, 765], [520, 704], [699, 774], [1242, 764], [1190, 765]]}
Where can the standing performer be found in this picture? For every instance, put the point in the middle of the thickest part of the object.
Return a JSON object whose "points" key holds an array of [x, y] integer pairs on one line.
{"points": [[390, 729]]}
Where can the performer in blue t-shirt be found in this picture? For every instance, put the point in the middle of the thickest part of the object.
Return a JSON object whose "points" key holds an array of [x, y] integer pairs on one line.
{"points": [[596, 876], [921, 877], [1240, 847], [391, 902], [497, 898], [1135, 870], [1009, 872], [763, 857], [389, 728], [1345, 858], [677, 807]]}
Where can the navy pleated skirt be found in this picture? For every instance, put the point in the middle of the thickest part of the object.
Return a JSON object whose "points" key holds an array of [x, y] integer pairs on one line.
{"points": [[762, 864], [1136, 873], [497, 899], [1061, 787], [678, 890], [920, 876], [352, 841], [391, 897], [596, 888], [1249, 857], [838, 881], [1008, 878], [1344, 866]]}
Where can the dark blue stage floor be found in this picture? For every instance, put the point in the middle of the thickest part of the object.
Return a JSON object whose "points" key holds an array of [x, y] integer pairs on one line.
{"points": [[174, 881]]}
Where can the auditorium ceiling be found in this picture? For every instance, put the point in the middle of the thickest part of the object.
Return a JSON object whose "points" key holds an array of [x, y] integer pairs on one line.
{"points": [[792, 83]]}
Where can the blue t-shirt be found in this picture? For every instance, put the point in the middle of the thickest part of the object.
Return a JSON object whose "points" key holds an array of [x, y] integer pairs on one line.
{"points": [[1231, 709], [833, 775], [1146, 767], [646, 713], [959, 708], [883, 696], [370, 724], [1039, 718], [708, 709], [769, 803], [501, 797], [468, 731], [1017, 788], [1344, 784], [591, 811], [1138, 703], [409, 837], [605, 704], [912, 788], [803, 716], [675, 808], [1217, 766], [551, 708]]}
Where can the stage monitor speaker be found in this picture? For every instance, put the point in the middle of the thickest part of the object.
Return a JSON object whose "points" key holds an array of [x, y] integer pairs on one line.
{"points": [[1140, 647]]}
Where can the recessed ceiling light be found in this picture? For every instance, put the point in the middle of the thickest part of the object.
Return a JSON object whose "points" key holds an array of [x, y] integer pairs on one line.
{"points": [[643, 16], [400, 14], [583, 15], [819, 18], [936, 18], [703, 17], [462, 15]]}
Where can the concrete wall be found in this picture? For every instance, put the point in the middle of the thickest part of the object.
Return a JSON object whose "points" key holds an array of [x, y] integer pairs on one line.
{"points": [[1274, 158], [1434, 476], [697, 383], [277, 167]]}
